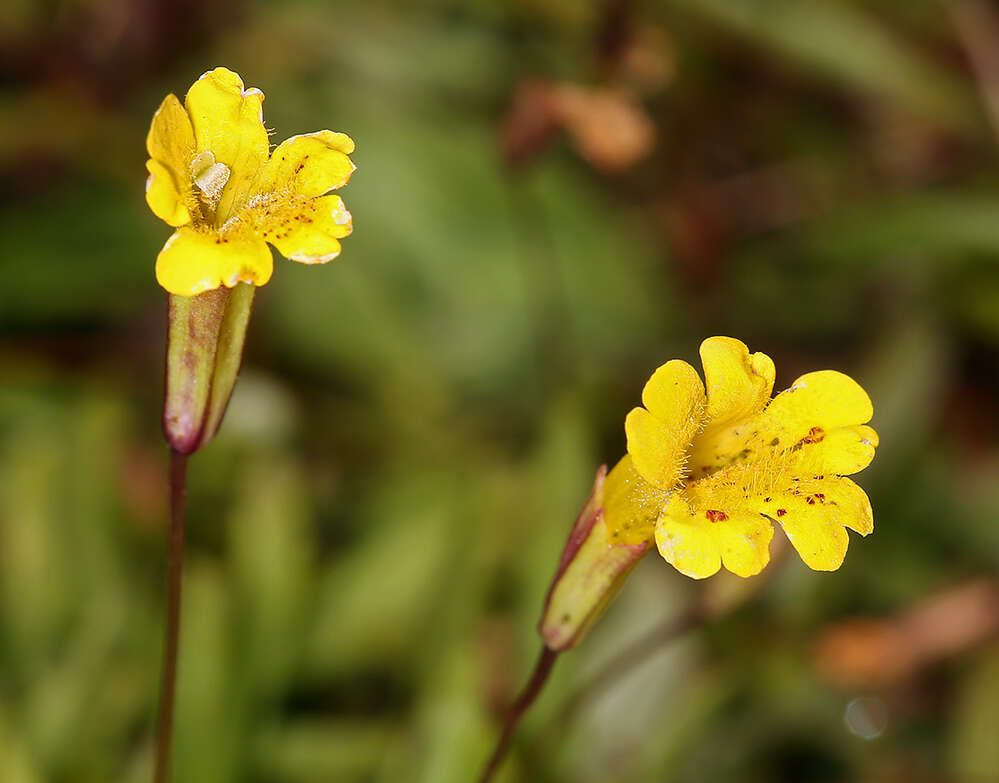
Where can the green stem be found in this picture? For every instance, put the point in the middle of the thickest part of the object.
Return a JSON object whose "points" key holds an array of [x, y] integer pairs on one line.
{"points": [[175, 566], [527, 697]]}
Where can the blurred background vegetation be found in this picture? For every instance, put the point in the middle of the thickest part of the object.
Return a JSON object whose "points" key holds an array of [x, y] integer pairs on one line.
{"points": [[552, 198]]}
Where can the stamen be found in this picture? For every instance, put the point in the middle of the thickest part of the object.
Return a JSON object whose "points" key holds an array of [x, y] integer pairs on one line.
{"points": [[209, 177]]}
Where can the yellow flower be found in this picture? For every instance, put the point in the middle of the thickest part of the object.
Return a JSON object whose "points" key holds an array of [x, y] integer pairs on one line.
{"points": [[213, 177], [708, 473]]}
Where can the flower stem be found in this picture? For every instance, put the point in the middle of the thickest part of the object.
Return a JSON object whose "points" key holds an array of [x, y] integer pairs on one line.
{"points": [[526, 698], [175, 565]]}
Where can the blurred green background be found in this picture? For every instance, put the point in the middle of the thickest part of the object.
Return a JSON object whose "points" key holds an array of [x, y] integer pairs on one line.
{"points": [[552, 198]]}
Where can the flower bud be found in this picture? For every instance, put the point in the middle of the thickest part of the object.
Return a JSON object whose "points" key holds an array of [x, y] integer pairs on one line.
{"points": [[205, 336], [590, 572]]}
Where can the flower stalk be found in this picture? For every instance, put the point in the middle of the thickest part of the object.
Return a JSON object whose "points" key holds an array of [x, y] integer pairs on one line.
{"points": [[214, 178], [171, 637], [527, 697], [590, 573]]}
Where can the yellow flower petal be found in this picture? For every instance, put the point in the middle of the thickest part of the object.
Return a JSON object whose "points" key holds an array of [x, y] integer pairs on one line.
{"points": [[842, 451], [170, 143], [228, 121], [689, 546], [815, 514], [191, 262], [826, 398], [698, 538], [659, 434], [813, 428], [630, 504], [302, 229], [745, 542], [738, 383], [309, 165], [164, 197], [809, 419], [812, 511]]}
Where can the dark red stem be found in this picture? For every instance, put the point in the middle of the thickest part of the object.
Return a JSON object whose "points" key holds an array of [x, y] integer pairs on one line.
{"points": [[526, 698], [175, 567]]}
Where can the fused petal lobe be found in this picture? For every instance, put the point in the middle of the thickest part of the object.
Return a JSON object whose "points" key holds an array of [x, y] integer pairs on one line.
{"points": [[164, 195], [738, 383], [659, 434], [687, 544], [228, 122], [820, 419], [698, 535], [815, 514], [302, 229], [170, 143], [827, 399], [309, 165], [192, 262], [842, 451]]}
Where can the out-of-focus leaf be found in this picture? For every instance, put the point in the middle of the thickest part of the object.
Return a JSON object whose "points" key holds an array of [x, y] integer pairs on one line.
{"points": [[80, 253], [851, 47], [974, 753], [374, 601], [270, 538], [456, 737], [318, 751], [925, 229], [15, 760], [917, 350], [207, 728]]}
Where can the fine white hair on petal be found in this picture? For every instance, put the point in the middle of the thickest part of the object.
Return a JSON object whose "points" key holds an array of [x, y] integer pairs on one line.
{"points": [[171, 240]]}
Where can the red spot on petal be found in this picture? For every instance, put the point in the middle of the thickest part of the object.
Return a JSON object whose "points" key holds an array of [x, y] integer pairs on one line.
{"points": [[815, 434], [781, 512], [716, 516]]}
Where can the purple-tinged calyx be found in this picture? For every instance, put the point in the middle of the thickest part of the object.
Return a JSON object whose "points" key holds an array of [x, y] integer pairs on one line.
{"points": [[205, 337], [590, 572]]}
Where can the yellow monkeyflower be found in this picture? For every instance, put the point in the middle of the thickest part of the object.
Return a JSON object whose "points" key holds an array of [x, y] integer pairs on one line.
{"points": [[710, 471], [214, 178]]}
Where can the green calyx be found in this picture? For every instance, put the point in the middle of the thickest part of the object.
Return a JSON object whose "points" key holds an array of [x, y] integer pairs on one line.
{"points": [[205, 338]]}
